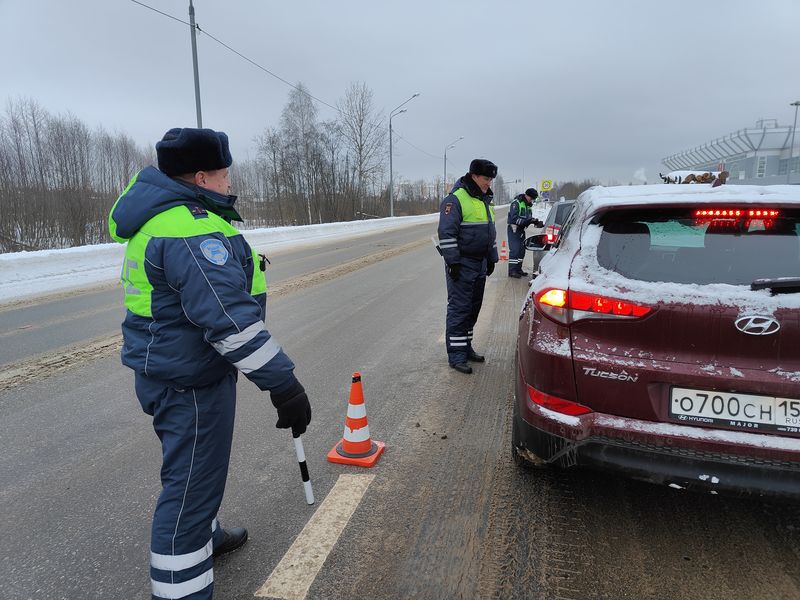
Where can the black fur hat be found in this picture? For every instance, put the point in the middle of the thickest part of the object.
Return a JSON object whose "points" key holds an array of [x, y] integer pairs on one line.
{"points": [[481, 166], [532, 193], [185, 150]]}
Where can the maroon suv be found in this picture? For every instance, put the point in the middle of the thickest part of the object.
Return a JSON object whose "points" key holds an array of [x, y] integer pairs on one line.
{"points": [[663, 340]]}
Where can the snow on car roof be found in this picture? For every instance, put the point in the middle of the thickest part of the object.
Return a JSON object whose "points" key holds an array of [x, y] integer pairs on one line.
{"points": [[587, 274], [599, 198]]}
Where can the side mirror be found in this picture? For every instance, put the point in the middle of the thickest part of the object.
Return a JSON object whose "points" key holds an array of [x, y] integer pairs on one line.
{"points": [[537, 242]]}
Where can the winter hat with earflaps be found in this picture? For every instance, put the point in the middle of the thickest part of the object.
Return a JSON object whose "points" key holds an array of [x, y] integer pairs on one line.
{"points": [[481, 166], [185, 150]]}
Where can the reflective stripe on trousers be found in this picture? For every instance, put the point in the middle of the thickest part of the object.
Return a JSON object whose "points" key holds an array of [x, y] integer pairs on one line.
{"points": [[195, 426], [464, 300], [516, 250]]}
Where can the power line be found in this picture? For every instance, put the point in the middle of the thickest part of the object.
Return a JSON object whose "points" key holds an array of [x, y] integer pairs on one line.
{"points": [[254, 63], [251, 61], [161, 13], [278, 77], [415, 147]]}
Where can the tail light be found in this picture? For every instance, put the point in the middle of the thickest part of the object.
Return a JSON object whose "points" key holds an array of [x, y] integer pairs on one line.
{"points": [[560, 405], [565, 306], [551, 233]]}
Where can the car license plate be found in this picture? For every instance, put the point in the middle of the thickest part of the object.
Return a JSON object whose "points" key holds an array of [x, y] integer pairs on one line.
{"points": [[742, 411]]}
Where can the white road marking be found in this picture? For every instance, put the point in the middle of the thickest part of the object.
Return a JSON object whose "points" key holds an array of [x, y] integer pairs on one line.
{"points": [[294, 574]]}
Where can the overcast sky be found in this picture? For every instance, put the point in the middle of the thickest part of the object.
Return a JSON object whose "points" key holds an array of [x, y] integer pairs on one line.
{"points": [[563, 89]]}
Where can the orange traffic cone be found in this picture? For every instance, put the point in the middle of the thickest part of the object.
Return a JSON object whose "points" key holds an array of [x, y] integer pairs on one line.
{"points": [[356, 447], [504, 251]]}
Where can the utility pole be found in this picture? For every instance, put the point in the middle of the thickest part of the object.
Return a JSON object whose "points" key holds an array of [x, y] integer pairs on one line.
{"points": [[192, 27]]}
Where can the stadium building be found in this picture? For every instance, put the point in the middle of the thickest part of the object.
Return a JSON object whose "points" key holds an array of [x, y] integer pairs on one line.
{"points": [[761, 155]]}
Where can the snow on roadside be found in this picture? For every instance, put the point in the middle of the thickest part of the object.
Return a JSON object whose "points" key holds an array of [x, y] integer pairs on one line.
{"points": [[30, 274]]}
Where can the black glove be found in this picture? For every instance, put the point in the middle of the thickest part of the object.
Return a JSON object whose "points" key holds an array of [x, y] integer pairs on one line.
{"points": [[293, 409], [536, 223], [489, 268], [454, 271]]}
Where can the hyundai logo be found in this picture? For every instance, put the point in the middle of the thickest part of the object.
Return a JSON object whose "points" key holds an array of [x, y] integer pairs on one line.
{"points": [[757, 325]]}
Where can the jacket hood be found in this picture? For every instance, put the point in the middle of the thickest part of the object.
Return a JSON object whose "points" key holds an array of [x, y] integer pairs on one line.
{"points": [[151, 192]]}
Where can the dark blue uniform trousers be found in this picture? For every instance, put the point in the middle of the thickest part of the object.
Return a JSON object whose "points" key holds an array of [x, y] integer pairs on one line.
{"points": [[464, 300], [516, 249], [195, 426]]}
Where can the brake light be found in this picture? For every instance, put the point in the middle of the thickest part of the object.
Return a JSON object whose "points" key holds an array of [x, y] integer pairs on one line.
{"points": [[759, 213], [560, 405], [736, 218], [565, 306], [603, 305], [551, 233]]}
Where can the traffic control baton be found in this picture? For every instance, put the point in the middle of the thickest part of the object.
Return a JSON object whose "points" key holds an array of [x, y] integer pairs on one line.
{"points": [[301, 459]]}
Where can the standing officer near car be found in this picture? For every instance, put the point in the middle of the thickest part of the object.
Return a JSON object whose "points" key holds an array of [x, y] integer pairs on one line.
{"points": [[467, 239], [519, 217], [196, 304]]}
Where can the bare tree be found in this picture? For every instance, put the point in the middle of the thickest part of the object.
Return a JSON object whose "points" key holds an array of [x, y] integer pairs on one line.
{"points": [[364, 134], [299, 128]]}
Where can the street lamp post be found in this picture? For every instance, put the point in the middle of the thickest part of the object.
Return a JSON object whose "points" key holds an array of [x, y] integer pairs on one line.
{"points": [[796, 103], [393, 114], [446, 148]]}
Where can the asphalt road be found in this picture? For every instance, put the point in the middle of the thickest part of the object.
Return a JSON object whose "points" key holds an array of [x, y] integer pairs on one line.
{"points": [[445, 515]]}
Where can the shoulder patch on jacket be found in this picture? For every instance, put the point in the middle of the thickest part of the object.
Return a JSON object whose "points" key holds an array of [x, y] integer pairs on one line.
{"points": [[214, 251], [198, 212], [447, 208]]}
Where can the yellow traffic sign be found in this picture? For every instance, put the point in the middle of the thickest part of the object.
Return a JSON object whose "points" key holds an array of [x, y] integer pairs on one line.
{"points": [[546, 185]]}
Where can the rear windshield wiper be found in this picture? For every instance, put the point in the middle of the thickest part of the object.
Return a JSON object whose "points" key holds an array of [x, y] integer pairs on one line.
{"points": [[778, 285]]}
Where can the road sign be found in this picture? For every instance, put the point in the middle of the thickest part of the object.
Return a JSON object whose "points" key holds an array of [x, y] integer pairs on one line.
{"points": [[545, 195], [546, 185]]}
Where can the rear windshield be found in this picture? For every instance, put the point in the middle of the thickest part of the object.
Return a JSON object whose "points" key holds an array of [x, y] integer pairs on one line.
{"points": [[679, 246]]}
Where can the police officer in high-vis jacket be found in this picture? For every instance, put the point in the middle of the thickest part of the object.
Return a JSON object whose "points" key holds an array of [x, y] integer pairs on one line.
{"points": [[467, 239], [196, 304], [519, 217]]}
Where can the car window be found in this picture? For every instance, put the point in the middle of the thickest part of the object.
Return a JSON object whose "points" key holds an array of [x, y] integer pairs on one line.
{"points": [[551, 215], [684, 248], [563, 211], [566, 226]]}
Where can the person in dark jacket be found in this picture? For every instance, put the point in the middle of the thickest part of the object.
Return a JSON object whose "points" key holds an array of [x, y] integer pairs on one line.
{"points": [[519, 217], [196, 305], [467, 239]]}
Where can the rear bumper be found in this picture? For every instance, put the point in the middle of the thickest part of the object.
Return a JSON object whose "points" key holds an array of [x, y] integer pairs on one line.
{"points": [[682, 457]]}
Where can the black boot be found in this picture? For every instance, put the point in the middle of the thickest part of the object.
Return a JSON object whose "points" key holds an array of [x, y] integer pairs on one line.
{"points": [[234, 538], [461, 367], [474, 356]]}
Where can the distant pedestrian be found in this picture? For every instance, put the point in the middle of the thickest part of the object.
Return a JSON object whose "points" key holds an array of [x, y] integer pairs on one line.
{"points": [[196, 300], [467, 238], [520, 217]]}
